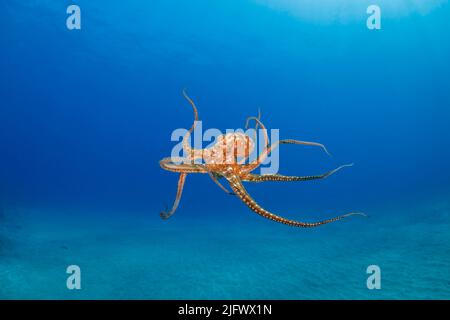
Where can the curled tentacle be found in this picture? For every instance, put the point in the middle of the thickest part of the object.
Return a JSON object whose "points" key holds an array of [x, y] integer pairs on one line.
{"points": [[255, 137], [192, 152], [258, 122], [166, 214], [266, 136]]}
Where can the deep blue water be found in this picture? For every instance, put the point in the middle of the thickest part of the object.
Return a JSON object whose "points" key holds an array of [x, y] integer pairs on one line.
{"points": [[87, 114]]}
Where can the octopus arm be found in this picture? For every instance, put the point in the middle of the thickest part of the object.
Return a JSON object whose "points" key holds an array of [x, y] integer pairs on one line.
{"points": [[278, 177], [239, 189]]}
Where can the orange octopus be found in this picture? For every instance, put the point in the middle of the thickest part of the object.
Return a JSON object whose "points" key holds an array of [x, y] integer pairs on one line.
{"points": [[226, 159]]}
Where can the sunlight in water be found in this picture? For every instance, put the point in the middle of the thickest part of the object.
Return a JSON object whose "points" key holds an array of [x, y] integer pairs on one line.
{"points": [[350, 10]]}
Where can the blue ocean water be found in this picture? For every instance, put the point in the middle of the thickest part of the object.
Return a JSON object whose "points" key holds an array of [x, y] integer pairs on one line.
{"points": [[87, 114]]}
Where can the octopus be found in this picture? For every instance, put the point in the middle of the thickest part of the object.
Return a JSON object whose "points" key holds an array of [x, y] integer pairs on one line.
{"points": [[226, 159]]}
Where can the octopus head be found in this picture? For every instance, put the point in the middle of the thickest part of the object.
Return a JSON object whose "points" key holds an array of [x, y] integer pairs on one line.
{"points": [[237, 145], [229, 148]]}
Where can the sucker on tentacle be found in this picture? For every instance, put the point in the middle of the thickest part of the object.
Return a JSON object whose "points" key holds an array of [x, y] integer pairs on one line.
{"points": [[241, 192], [278, 177]]}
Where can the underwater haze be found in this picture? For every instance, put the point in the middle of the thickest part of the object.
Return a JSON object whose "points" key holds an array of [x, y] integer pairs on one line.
{"points": [[87, 114]]}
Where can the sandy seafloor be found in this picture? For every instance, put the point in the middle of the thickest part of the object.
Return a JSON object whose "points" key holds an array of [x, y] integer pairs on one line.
{"points": [[85, 116], [139, 256]]}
